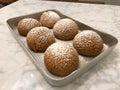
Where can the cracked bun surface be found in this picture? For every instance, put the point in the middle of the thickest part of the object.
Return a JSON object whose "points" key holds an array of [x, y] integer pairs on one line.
{"points": [[88, 43], [65, 29], [39, 38], [26, 24], [49, 18], [61, 59]]}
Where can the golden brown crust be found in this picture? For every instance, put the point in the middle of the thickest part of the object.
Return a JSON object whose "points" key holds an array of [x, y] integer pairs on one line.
{"points": [[88, 43], [65, 29], [61, 59], [39, 38], [25, 25], [49, 18]]}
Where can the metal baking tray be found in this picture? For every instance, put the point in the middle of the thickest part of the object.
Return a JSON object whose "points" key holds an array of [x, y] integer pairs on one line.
{"points": [[85, 62]]}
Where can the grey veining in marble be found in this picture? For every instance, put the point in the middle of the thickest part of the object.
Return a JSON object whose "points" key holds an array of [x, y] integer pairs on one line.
{"points": [[18, 73]]}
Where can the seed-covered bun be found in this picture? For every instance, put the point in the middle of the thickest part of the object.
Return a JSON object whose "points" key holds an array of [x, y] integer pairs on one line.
{"points": [[61, 59], [49, 18], [25, 25], [39, 38], [65, 29], [88, 43]]}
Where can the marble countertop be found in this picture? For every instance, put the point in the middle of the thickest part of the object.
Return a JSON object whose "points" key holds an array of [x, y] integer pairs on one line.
{"points": [[17, 72]]}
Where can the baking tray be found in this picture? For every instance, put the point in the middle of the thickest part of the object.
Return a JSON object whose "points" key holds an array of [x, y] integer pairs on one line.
{"points": [[85, 62]]}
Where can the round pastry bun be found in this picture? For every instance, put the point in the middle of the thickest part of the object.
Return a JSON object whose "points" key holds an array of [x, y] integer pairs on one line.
{"points": [[88, 43], [61, 59], [39, 38], [65, 29], [49, 18], [26, 24]]}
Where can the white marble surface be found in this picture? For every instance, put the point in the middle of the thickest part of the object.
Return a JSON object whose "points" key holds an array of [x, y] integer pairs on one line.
{"points": [[18, 73]]}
